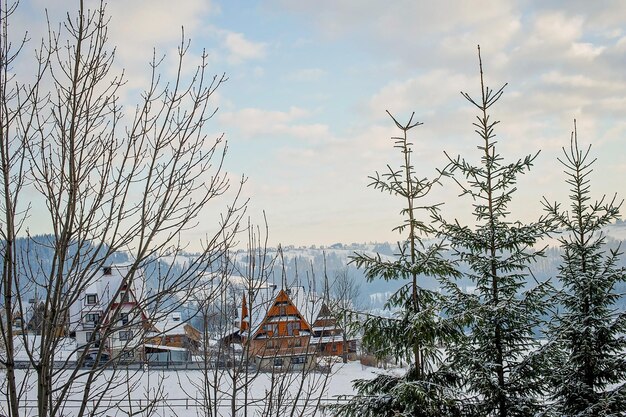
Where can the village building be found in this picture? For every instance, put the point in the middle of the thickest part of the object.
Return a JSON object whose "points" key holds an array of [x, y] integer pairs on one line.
{"points": [[172, 340], [109, 315], [328, 338], [288, 329]]}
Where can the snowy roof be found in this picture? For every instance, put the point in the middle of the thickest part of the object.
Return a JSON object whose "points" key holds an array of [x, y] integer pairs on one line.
{"points": [[307, 304], [322, 328], [172, 324], [104, 285]]}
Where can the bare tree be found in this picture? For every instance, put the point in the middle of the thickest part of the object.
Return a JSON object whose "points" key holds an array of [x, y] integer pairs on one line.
{"points": [[346, 290], [344, 302], [240, 377], [226, 374], [102, 187]]}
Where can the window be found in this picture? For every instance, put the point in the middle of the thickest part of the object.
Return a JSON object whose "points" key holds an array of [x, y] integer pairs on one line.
{"points": [[124, 318], [291, 326], [126, 334], [124, 297], [88, 336], [269, 327], [92, 299], [298, 342], [107, 270], [334, 347], [282, 310], [91, 319], [127, 355], [298, 360], [278, 361]]}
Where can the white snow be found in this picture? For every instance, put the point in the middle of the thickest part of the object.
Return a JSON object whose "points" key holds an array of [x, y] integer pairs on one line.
{"points": [[179, 393]]}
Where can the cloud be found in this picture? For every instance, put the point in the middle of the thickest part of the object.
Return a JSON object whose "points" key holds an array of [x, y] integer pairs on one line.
{"points": [[241, 49], [422, 93], [141, 26], [260, 123]]}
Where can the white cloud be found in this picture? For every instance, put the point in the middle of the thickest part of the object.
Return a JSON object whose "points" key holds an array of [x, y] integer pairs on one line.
{"points": [[241, 49], [585, 50], [556, 28], [422, 93], [254, 122]]}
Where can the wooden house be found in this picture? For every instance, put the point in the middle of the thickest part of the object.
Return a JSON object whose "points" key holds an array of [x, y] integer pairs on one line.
{"points": [[288, 329], [328, 338], [172, 340]]}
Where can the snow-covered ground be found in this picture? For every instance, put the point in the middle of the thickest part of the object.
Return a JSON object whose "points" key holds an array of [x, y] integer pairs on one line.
{"points": [[182, 393]]}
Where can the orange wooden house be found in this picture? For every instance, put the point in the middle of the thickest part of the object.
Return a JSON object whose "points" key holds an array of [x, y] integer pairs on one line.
{"points": [[328, 338], [289, 329]]}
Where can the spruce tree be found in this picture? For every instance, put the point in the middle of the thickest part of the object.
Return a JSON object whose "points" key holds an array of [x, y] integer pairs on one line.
{"points": [[588, 334], [501, 375], [412, 334]]}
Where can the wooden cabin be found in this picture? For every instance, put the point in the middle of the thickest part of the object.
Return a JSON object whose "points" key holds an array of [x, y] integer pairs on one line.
{"points": [[289, 329]]}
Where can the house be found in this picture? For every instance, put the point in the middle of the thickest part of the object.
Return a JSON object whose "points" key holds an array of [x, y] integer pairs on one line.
{"points": [[328, 338], [172, 340], [288, 329], [109, 315]]}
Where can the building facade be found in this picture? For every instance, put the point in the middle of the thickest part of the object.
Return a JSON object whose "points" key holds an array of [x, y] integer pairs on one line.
{"points": [[109, 315], [289, 330]]}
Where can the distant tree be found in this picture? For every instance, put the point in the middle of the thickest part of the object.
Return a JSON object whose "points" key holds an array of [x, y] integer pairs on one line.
{"points": [[344, 300], [501, 376], [589, 372], [345, 290], [415, 331]]}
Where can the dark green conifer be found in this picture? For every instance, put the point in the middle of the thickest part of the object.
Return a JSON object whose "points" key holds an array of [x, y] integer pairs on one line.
{"points": [[501, 375], [415, 331], [588, 334]]}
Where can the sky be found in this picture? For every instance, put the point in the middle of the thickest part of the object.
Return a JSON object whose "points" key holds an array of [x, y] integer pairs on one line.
{"points": [[303, 110]]}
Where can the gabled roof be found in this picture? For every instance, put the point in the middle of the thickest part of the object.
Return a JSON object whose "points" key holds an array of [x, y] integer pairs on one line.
{"points": [[307, 304], [105, 286], [258, 303], [170, 325]]}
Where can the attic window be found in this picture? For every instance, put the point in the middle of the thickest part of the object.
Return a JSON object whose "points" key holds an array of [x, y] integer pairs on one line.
{"points": [[91, 299], [269, 327], [107, 270]]}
